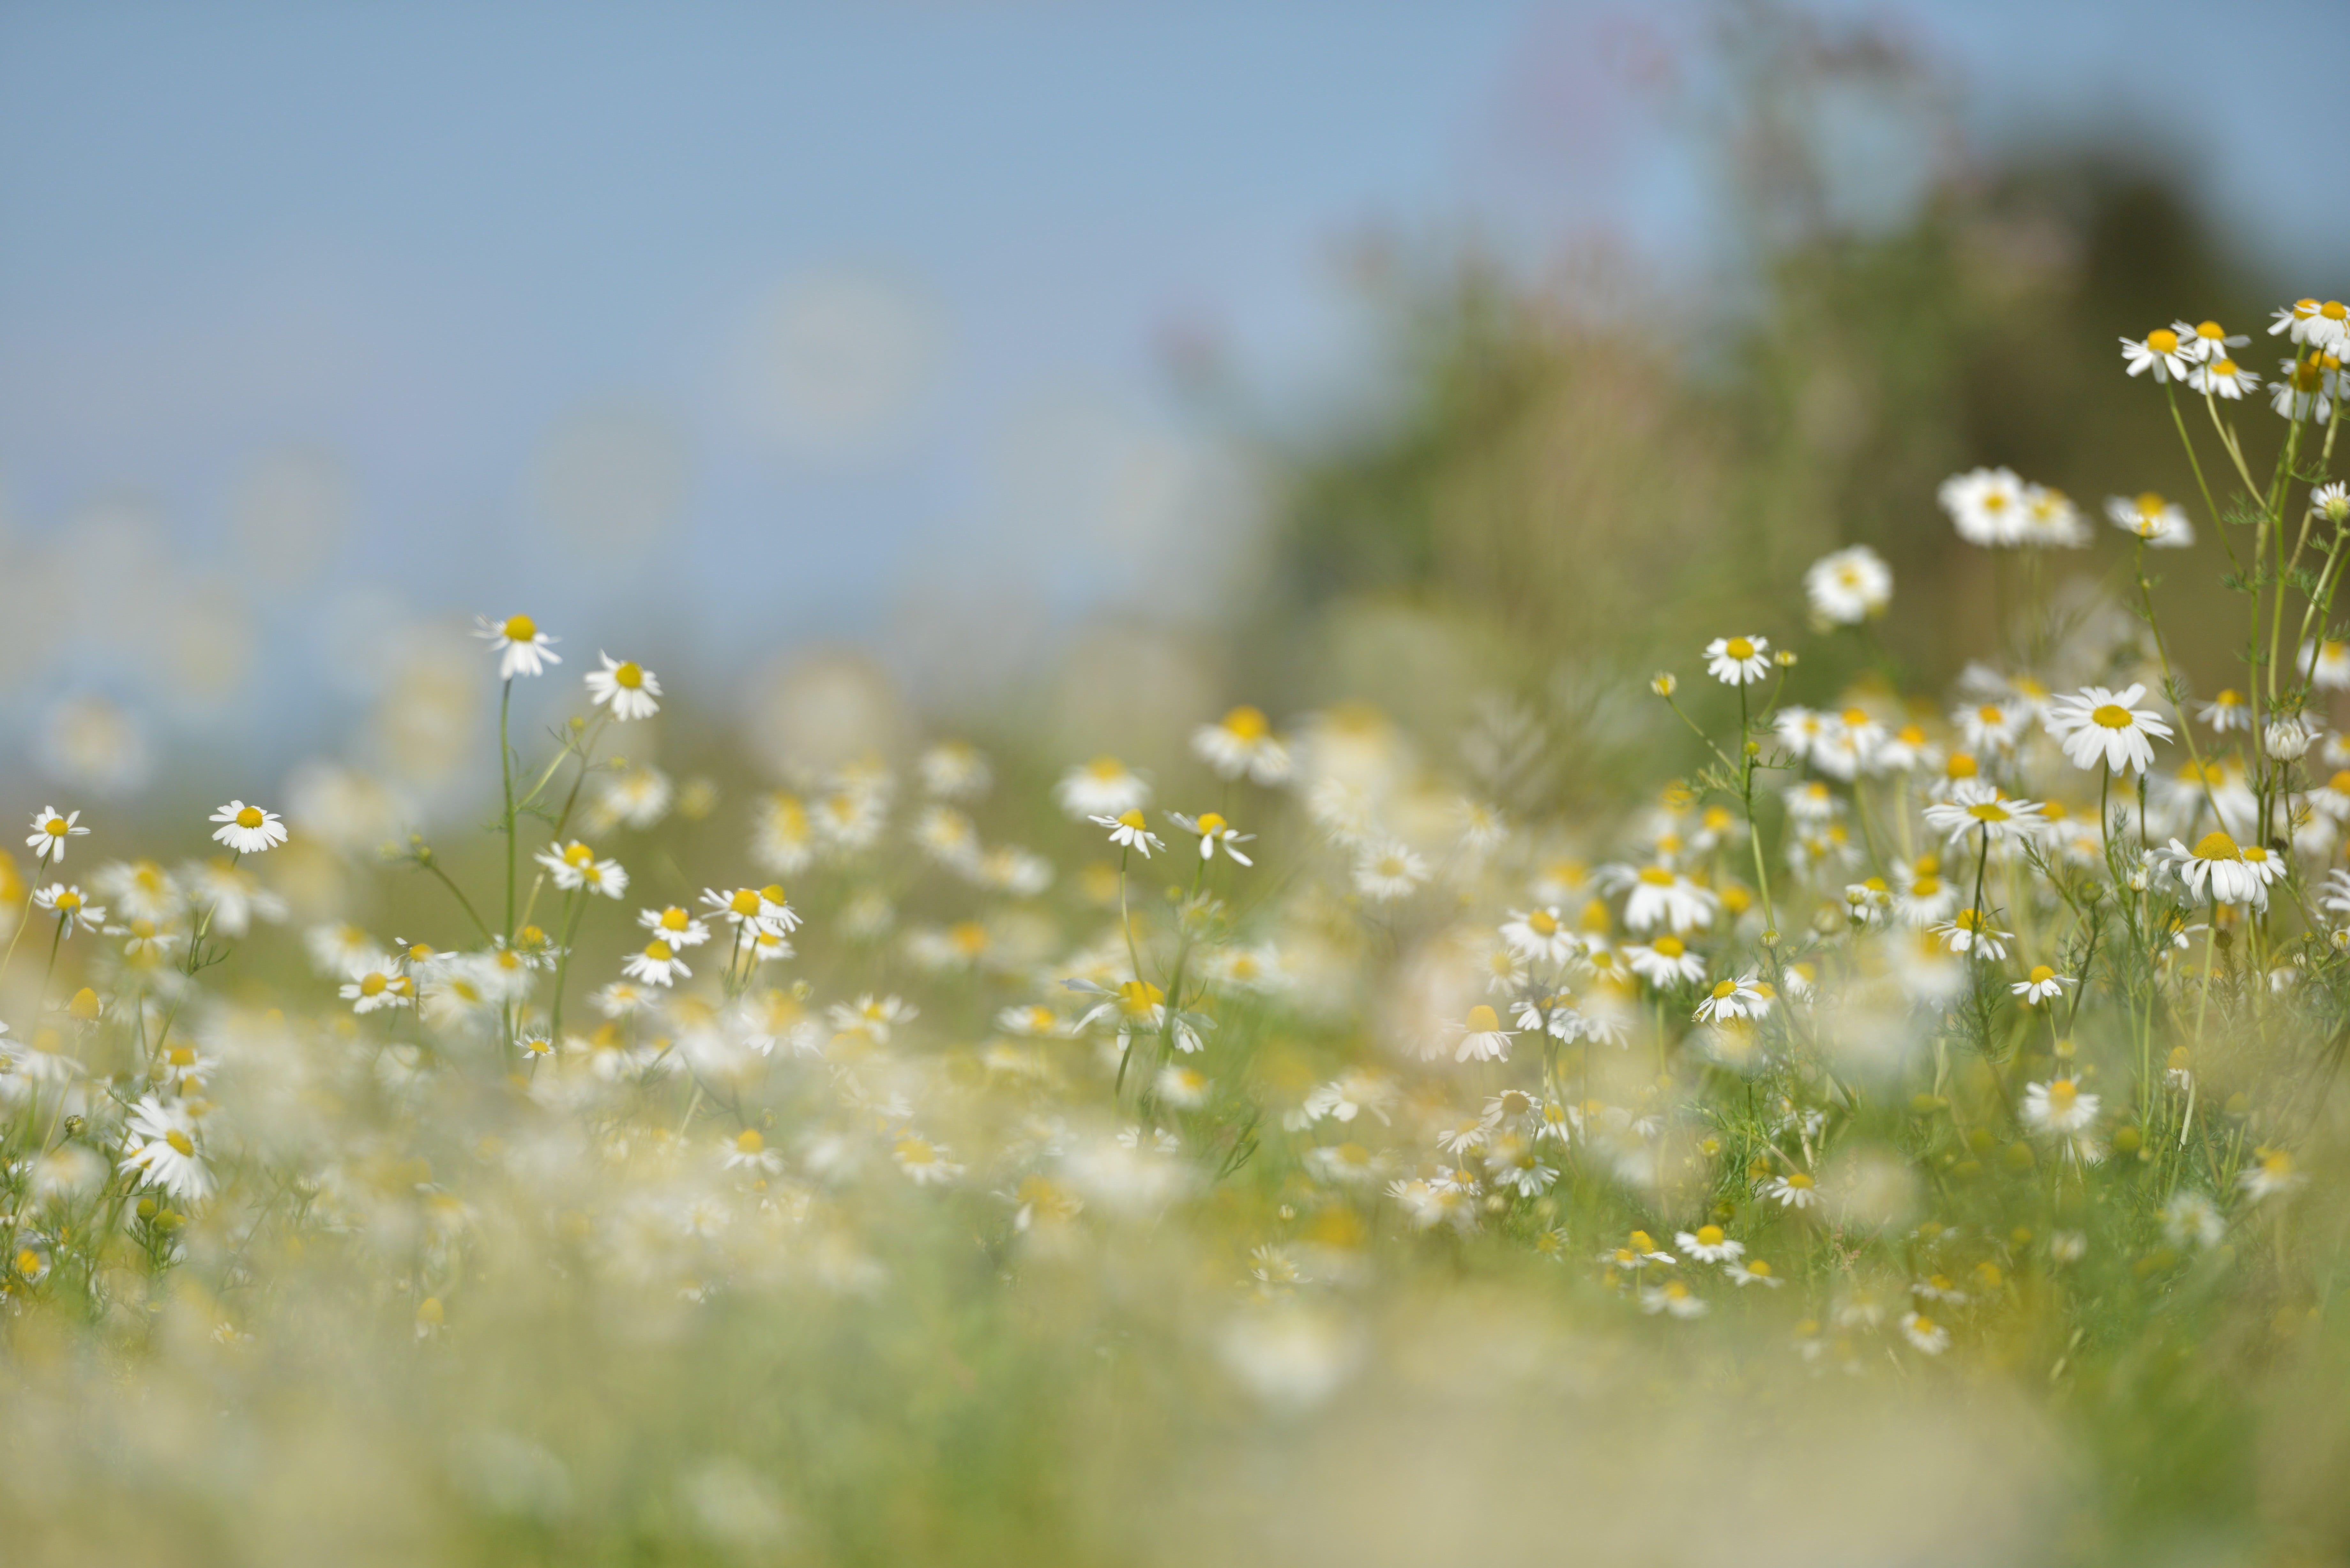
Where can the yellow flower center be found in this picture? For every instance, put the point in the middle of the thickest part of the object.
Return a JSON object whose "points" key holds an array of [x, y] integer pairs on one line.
{"points": [[673, 919], [180, 1142], [2210, 329], [2333, 310], [144, 928], [2062, 1095], [1727, 988], [631, 675], [1106, 769], [1212, 823], [1246, 723], [2112, 715], [2255, 854], [750, 1142], [577, 854], [1542, 922], [2041, 974], [1668, 947], [2216, 847], [1960, 766], [1137, 997], [2162, 340], [69, 900], [1988, 810], [744, 903], [773, 893], [1483, 1021], [2223, 366], [1739, 648], [1708, 1235], [1655, 876], [372, 985], [659, 951], [1799, 1181], [249, 817], [56, 827], [2230, 698], [520, 628]]}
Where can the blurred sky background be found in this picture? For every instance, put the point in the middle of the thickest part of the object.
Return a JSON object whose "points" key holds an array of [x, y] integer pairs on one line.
{"points": [[702, 331]]}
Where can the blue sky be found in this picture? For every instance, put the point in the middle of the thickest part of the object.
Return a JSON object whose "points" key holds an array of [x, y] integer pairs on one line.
{"points": [[731, 327]]}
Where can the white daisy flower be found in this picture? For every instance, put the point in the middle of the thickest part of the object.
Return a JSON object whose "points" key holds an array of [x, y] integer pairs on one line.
{"points": [[675, 926], [1968, 932], [2222, 377], [1128, 830], [1793, 1190], [2147, 515], [164, 1153], [1707, 1244], [1925, 1334], [1389, 871], [2159, 351], [2221, 870], [2326, 664], [2096, 726], [1986, 505], [2272, 1177], [66, 901], [521, 647], [1242, 744], [1849, 585], [2041, 984], [953, 770], [1738, 660], [2227, 713], [1481, 1037], [2207, 340], [2058, 1107], [1103, 787], [248, 829], [1664, 962], [657, 964], [1211, 830], [1977, 806], [1749, 996], [374, 988], [1754, 1272], [1540, 936], [51, 829], [2302, 391], [629, 689], [1661, 895]]}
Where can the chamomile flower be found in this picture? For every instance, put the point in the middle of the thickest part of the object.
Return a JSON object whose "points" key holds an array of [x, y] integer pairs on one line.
{"points": [[1213, 831], [1849, 585], [629, 689], [1387, 871], [2223, 871], [765, 908], [164, 1151], [656, 964], [2042, 984], [1481, 1037], [1673, 1297], [1242, 744], [574, 866], [72, 909], [675, 926], [2207, 341], [2151, 518], [1103, 787], [2326, 664], [1747, 996], [1659, 895], [2159, 351], [1968, 932], [1977, 807], [1128, 830], [1664, 962], [953, 770], [1793, 1190], [1925, 1334], [2273, 1175], [1986, 505], [371, 988], [1540, 936], [2222, 377], [248, 829], [2302, 391], [2227, 713], [2098, 727], [1707, 1244], [2058, 1107], [521, 647], [1752, 1271], [1738, 660], [51, 829]]}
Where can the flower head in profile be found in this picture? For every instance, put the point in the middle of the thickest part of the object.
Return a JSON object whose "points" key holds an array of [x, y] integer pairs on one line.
{"points": [[2058, 1107], [1128, 830], [2042, 984], [2222, 870], [1480, 1037], [1213, 833], [2100, 727], [248, 829], [1738, 660], [2146, 514], [1103, 787], [2159, 351], [1242, 744], [629, 689], [521, 647], [51, 829]]}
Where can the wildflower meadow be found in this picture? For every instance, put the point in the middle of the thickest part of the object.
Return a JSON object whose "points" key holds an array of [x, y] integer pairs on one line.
{"points": [[1903, 1126]]}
